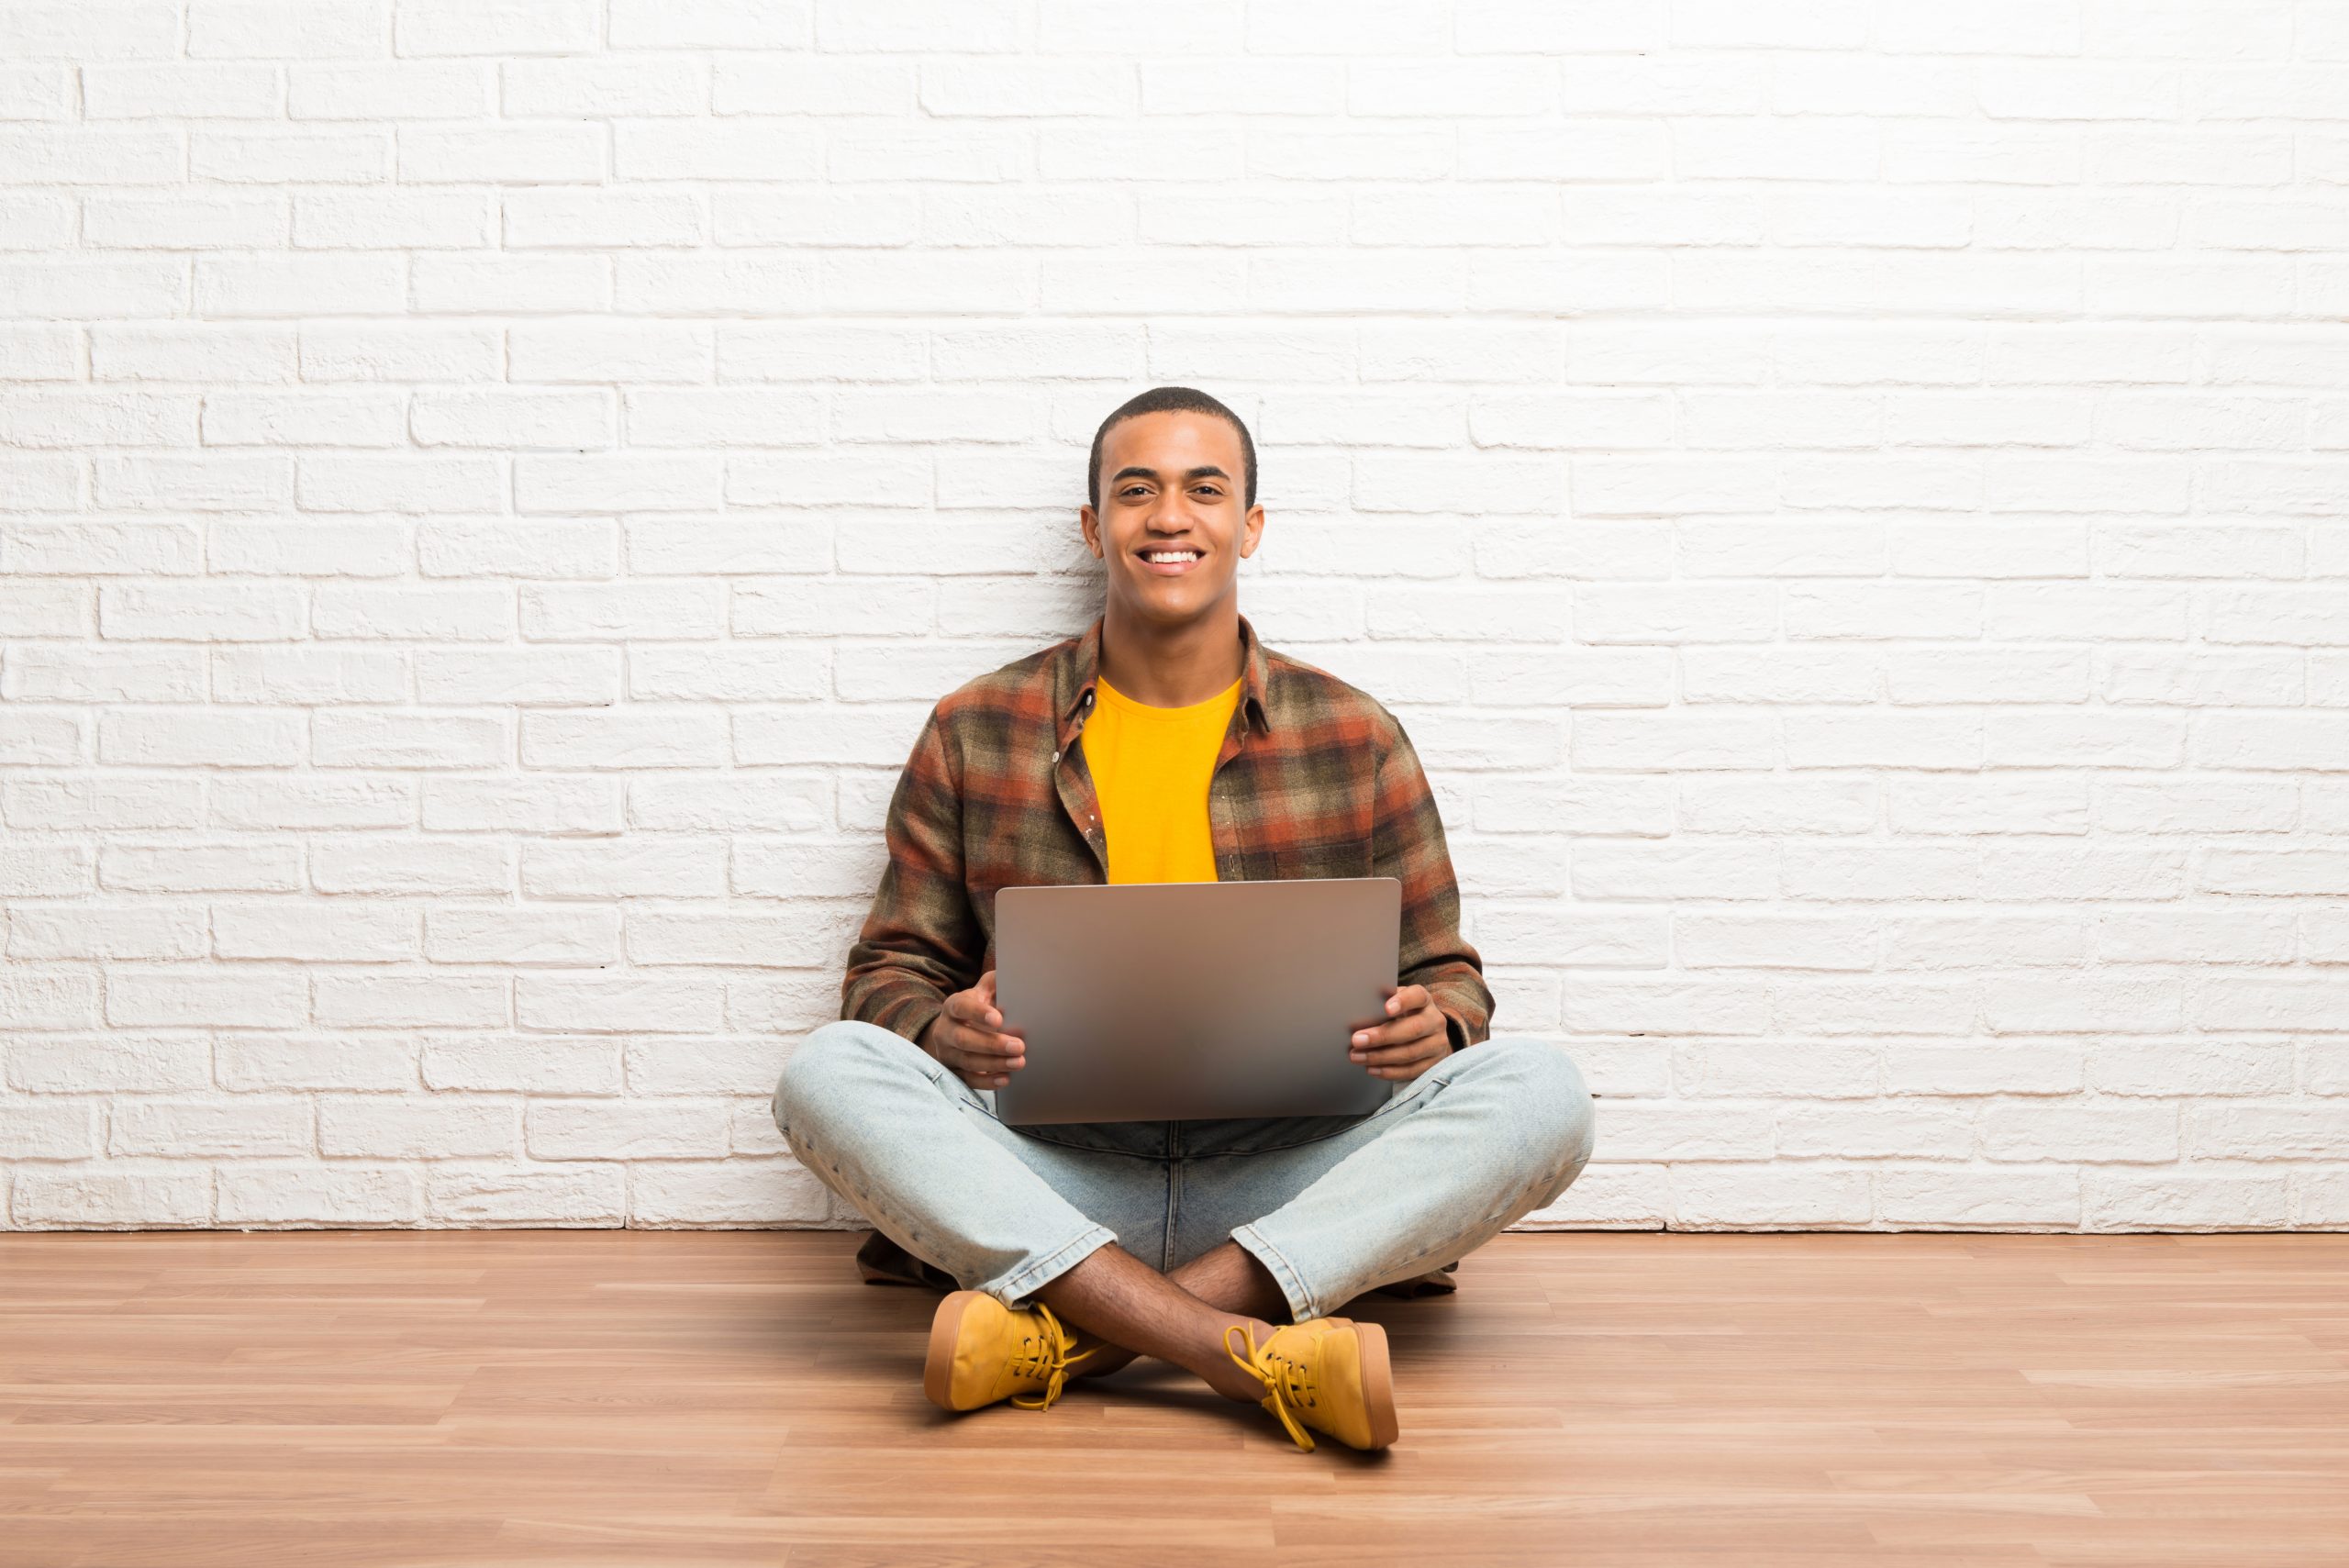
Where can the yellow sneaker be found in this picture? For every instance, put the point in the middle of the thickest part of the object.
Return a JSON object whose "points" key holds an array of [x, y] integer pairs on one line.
{"points": [[1331, 1374], [981, 1350]]}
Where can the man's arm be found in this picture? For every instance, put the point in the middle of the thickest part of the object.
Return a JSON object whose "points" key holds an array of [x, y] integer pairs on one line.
{"points": [[1407, 843], [920, 939]]}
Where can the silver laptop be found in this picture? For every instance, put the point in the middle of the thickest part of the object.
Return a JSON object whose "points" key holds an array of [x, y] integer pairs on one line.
{"points": [[1174, 1000]]}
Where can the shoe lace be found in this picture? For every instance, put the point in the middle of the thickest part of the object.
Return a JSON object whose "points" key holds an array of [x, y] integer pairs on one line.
{"points": [[1288, 1384], [1045, 1354]]}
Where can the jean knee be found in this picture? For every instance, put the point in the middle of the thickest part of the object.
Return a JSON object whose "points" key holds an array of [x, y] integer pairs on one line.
{"points": [[821, 1071], [1554, 1113]]}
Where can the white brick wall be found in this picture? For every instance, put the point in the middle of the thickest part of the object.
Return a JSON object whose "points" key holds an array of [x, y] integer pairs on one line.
{"points": [[1852, 497]]}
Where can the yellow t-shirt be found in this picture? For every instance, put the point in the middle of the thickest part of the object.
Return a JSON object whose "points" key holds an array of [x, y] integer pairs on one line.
{"points": [[1151, 767]]}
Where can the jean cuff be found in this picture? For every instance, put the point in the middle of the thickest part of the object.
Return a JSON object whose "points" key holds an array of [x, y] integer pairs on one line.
{"points": [[1031, 1277], [1292, 1284]]}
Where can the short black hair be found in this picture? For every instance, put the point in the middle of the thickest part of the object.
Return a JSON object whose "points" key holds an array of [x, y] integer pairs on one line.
{"points": [[1169, 400]]}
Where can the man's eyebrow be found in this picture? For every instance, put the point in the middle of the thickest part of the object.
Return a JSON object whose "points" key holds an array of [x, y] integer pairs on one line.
{"points": [[1132, 471]]}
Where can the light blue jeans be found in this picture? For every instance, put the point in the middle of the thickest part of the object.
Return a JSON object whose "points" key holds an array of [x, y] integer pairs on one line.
{"points": [[1332, 1206]]}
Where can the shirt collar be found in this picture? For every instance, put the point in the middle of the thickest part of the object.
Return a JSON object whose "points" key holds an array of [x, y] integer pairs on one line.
{"points": [[1080, 668]]}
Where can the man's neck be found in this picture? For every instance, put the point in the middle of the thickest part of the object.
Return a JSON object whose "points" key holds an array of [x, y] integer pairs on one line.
{"points": [[1163, 666]]}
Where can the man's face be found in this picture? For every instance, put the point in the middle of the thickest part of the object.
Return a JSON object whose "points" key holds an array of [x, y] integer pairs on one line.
{"points": [[1172, 526]]}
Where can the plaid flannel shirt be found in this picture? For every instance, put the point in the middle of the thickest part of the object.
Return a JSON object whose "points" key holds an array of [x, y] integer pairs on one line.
{"points": [[1314, 779]]}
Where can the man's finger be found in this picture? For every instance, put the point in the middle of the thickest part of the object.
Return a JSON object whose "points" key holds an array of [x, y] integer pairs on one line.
{"points": [[1407, 1000], [1395, 1031], [987, 1067], [969, 1008], [987, 1043], [1401, 1055]]}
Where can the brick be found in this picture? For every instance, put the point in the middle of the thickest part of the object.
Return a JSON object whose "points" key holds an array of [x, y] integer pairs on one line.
{"points": [[405, 484], [589, 86], [546, 153], [645, 865], [98, 549], [616, 482], [307, 158], [400, 866], [189, 997], [537, 805], [261, 865], [599, 352], [554, 1195], [111, 1064], [114, 1197], [388, 90], [244, 1127], [417, 1126], [309, 1195], [589, 1004], [138, 286], [388, 351], [1738, 1196], [2037, 1067], [1967, 942], [742, 800], [202, 738], [314, 418], [511, 285], [102, 803], [639, 736], [315, 284], [312, 801], [454, 613], [560, 937], [395, 739], [366, 220], [466, 676], [206, 483], [536, 219], [1991, 1199], [101, 931], [502, 547], [502, 27], [591, 613], [411, 1001]]}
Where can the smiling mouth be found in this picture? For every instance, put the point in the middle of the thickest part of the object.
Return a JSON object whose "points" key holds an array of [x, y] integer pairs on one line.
{"points": [[1178, 562]]}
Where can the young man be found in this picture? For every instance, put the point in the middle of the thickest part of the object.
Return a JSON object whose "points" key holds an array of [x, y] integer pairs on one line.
{"points": [[1167, 744]]}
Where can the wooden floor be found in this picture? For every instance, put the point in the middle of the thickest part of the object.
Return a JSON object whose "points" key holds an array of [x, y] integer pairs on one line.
{"points": [[720, 1398]]}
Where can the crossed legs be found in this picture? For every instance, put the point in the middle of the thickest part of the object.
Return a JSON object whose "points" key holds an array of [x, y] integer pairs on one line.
{"points": [[1482, 1138], [1126, 1308]]}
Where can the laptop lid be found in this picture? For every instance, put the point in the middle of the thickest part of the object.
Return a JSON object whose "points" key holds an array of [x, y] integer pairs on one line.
{"points": [[1176, 1000]]}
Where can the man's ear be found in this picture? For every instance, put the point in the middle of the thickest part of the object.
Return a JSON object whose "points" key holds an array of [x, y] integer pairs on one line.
{"points": [[1251, 529], [1090, 526]]}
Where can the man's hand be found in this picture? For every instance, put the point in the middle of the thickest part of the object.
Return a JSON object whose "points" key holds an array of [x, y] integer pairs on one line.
{"points": [[1412, 1039], [968, 1037]]}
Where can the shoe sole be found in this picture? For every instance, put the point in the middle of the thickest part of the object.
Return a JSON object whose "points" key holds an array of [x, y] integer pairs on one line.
{"points": [[1377, 1386], [945, 1333]]}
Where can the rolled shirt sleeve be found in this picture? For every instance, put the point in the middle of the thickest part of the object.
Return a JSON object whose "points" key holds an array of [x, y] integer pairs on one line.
{"points": [[920, 942], [1408, 843]]}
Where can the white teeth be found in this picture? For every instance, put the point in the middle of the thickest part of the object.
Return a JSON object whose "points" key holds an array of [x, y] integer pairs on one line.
{"points": [[1158, 556]]}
